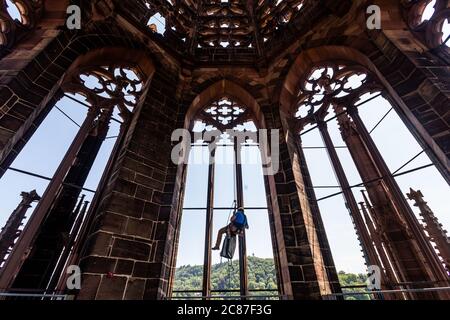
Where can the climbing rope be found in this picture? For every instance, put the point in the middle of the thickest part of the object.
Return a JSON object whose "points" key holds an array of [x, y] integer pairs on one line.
{"points": [[230, 271], [233, 207]]}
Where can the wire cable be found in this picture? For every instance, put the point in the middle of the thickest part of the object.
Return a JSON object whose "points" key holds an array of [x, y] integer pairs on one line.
{"points": [[47, 178], [382, 119], [67, 116], [413, 158]]}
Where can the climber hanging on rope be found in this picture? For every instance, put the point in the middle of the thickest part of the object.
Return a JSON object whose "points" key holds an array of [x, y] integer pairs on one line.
{"points": [[238, 223]]}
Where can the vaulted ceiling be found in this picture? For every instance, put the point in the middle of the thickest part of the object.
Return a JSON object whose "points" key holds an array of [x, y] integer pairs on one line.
{"points": [[252, 27], [226, 23]]}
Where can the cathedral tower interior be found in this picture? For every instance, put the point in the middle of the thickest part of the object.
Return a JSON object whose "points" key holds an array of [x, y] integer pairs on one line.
{"points": [[132, 130]]}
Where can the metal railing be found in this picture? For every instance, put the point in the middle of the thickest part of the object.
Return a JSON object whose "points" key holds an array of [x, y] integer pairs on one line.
{"points": [[375, 292], [34, 296], [272, 294]]}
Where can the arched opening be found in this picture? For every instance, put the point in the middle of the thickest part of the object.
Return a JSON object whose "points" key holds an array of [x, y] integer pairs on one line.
{"points": [[432, 18], [344, 113], [67, 162], [224, 172], [13, 10]]}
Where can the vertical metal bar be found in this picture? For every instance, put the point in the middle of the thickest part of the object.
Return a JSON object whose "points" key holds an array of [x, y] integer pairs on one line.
{"points": [[243, 272], [25, 242], [209, 228]]}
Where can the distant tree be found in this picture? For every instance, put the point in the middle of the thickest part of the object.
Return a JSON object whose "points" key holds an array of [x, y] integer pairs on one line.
{"points": [[261, 275]]}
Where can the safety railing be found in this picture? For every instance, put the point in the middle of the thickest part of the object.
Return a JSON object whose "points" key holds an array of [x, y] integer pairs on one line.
{"points": [[36, 296], [374, 293], [256, 294]]}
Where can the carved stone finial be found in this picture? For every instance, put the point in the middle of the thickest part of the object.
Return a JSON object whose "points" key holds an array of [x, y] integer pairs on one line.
{"points": [[436, 232], [30, 197], [415, 195], [11, 231]]}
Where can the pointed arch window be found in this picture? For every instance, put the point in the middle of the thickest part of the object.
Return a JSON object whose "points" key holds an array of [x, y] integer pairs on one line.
{"points": [[343, 113], [217, 182], [92, 116]]}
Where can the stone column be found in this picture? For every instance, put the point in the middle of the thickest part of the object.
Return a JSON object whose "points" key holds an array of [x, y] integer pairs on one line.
{"points": [[312, 273], [29, 71], [59, 207], [418, 79], [406, 248], [209, 227], [127, 254], [34, 227], [358, 222]]}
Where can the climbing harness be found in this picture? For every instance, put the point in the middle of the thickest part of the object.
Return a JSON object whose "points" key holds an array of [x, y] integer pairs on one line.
{"points": [[232, 209]]}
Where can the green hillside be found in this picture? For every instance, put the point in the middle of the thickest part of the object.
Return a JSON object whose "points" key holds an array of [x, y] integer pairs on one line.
{"points": [[261, 276]]}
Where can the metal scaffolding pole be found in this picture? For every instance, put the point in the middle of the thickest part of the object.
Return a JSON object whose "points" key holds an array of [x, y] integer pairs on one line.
{"points": [[209, 228], [242, 239]]}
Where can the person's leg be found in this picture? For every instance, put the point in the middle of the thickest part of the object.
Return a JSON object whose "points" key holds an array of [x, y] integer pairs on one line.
{"points": [[219, 237]]}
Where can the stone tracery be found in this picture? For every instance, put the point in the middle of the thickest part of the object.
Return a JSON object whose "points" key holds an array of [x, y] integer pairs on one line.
{"points": [[431, 20], [108, 86], [28, 13], [331, 84], [224, 114]]}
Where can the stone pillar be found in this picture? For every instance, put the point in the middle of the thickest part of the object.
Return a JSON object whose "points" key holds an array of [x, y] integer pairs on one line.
{"points": [[375, 234], [29, 70], [407, 251], [389, 277], [243, 270], [209, 227], [25, 242], [358, 222], [419, 82], [312, 273], [58, 207], [127, 252]]}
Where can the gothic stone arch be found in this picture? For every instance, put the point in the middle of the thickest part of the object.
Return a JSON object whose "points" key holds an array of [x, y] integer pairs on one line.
{"points": [[93, 59], [236, 92], [425, 132]]}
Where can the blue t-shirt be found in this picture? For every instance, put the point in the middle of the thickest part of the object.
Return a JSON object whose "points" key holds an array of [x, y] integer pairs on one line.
{"points": [[240, 220]]}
